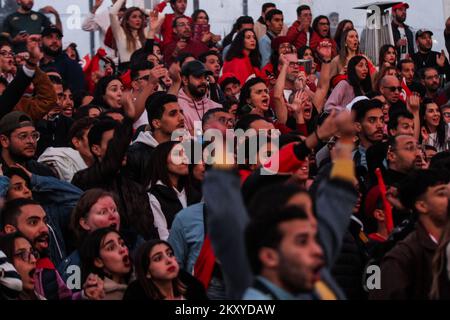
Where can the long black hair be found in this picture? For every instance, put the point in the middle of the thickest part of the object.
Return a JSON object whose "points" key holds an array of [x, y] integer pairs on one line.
{"points": [[142, 264], [383, 50], [100, 91], [340, 31], [441, 130], [236, 27], [246, 91], [160, 172], [90, 250], [360, 87], [237, 49]]}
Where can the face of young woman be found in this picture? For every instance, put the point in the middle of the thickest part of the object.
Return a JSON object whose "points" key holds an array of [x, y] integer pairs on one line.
{"points": [[362, 69], [432, 115], [18, 189], [390, 56], [177, 161], [114, 257], [199, 171], [202, 18], [259, 96], [308, 55], [25, 262], [249, 41], [136, 20], [102, 214], [163, 264], [113, 95], [352, 41]]}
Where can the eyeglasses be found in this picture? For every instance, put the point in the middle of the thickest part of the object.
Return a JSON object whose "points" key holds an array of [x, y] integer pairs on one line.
{"points": [[410, 148], [35, 135], [393, 89], [4, 53], [446, 114], [25, 256]]}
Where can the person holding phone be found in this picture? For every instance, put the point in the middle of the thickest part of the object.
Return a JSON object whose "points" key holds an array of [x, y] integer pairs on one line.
{"points": [[202, 29]]}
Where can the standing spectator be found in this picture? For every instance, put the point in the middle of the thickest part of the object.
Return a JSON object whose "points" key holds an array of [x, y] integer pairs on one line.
{"points": [[260, 24], [25, 22], [425, 57], [183, 41], [299, 34], [179, 8], [128, 33], [55, 58], [243, 59], [343, 26], [200, 17], [403, 36], [274, 22], [192, 98], [321, 33]]}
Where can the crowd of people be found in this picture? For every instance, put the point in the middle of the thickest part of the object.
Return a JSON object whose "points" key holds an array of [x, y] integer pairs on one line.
{"points": [[104, 197]]}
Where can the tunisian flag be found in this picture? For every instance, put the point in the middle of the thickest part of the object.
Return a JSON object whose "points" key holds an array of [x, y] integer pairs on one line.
{"points": [[405, 92]]}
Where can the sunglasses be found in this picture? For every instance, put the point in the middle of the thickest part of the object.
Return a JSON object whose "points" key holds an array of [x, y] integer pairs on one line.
{"points": [[393, 89]]}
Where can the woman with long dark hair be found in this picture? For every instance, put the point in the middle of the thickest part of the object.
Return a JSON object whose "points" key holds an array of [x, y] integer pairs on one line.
{"points": [[237, 26], [170, 189], [159, 276], [128, 33], [108, 93], [388, 56], [434, 129], [254, 98], [105, 254], [343, 26], [358, 83], [200, 17], [349, 48], [243, 59]]}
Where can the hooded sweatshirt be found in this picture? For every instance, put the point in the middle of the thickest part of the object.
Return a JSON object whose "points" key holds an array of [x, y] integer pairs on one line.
{"points": [[66, 161], [194, 110]]}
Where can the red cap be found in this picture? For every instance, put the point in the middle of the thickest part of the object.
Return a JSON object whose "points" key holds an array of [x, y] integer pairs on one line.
{"points": [[276, 42], [400, 5], [225, 76]]}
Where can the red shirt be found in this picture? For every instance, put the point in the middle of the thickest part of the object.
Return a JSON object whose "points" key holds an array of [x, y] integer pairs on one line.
{"points": [[194, 47], [242, 68]]}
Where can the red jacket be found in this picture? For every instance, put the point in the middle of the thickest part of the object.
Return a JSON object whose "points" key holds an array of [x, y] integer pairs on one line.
{"points": [[242, 68], [298, 39], [166, 27]]}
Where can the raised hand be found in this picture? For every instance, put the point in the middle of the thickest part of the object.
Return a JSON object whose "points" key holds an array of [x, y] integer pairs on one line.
{"points": [[128, 105], [94, 287], [325, 50], [175, 72], [49, 9], [440, 59], [33, 48], [413, 103], [425, 135], [283, 60]]}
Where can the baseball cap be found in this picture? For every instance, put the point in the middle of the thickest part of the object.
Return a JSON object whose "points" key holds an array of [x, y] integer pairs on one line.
{"points": [[15, 120], [195, 68], [51, 29], [400, 5], [420, 32]]}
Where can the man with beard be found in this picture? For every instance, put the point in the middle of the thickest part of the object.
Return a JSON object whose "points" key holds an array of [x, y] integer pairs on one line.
{"points": [[183, 41], [213, 63], [18, 139], [369, 125], [25, 22], [406, 270], [55, 58], [179, 8], [403, 36], [425, 57], [429, 77], [192, 98]]}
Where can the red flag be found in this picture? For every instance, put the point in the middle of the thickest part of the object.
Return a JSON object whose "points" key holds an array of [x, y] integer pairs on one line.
{"points": [[386, 205], [405, 92]]}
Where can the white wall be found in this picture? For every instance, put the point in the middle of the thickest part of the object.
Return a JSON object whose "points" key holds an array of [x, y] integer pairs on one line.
{"points": [[422, 14]]}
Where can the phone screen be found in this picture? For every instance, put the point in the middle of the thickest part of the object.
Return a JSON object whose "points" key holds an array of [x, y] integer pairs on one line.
{"points": [[306, 65]]}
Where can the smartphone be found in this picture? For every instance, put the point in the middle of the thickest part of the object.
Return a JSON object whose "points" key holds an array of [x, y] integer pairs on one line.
{"points": [[200, 30], [442, 80], [306, 65]]}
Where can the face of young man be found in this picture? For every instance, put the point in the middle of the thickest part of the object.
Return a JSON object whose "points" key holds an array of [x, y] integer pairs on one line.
{"points": [[405, 126], [171, 120], [276, 24], [300, 258], [100, 150], [425, 42], [434, 204], [371, 127], [212, 63], [407, 72], [21, 143], [32, 223], [431, 80], [197, 86]]}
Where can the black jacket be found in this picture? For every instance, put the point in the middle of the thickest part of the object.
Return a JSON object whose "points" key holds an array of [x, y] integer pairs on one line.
{"points": [[134, 206], [139, 164], [54, 133], [14, 92], [409, 37], [422, 60]]}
